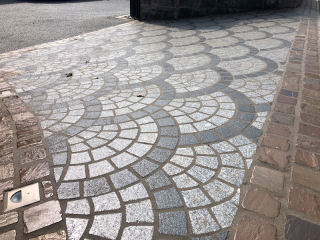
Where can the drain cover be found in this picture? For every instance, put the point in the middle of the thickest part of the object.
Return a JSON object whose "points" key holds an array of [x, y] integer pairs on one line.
{"points": [[21, 197]]}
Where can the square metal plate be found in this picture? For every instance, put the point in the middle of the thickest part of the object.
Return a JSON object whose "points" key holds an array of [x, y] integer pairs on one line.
{"points": [[29, 194]]}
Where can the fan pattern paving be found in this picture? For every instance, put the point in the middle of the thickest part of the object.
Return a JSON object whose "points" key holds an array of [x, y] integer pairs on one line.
{"points": [[152, 134]]}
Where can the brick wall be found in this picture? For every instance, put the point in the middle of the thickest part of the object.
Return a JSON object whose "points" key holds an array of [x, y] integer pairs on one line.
{"points": [[174, 9]]}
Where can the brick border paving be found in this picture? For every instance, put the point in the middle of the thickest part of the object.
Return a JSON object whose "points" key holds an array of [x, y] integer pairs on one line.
{"points": [[282, 198], [24, 160]]}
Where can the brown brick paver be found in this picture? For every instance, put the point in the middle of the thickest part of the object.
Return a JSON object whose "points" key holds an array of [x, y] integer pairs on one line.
{"points": [[304, 202], [251, 228], [276, 157], [34, 172], [267, 178], [276, 142], [46, 214], [307, 159], [309, 130], [310, 118], [33, 155], [306, 178], [297, 229], [279, 130], [5, 186], [308, 143], [287, 100], [261, 202], [8, 235], [282, 119]]}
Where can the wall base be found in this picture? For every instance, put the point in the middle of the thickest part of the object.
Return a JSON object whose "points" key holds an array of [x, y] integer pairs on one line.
{"points": [[174, 9]]}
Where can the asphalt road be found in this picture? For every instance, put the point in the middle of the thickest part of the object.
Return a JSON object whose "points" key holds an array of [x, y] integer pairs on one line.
{"points": [[27, 23]]}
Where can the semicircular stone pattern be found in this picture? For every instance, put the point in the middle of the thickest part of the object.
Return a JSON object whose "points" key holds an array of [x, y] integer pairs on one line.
{"points": [[153, 133]]}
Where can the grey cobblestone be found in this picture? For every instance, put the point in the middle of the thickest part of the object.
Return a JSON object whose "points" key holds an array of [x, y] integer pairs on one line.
{"points": [[173, 223], [96, 187], [157, 180], [123, 178], [145, 167]]}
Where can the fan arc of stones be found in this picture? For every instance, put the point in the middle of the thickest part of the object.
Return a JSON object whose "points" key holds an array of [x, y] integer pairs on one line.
{"points": [[155, 129]]}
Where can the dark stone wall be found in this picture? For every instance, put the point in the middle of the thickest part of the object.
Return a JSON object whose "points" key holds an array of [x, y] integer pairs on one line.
{"points": [[174, 9]]}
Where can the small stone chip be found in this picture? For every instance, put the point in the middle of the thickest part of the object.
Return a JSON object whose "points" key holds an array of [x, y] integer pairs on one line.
{"points": [[48, 189]]}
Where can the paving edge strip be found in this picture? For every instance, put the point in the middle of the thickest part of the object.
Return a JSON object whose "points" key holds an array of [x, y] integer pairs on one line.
{"points": [[25, 159], [281, 195]]}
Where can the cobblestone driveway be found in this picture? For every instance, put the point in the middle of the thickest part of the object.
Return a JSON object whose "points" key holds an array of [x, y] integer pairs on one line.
{"points": [[152, 134]]}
